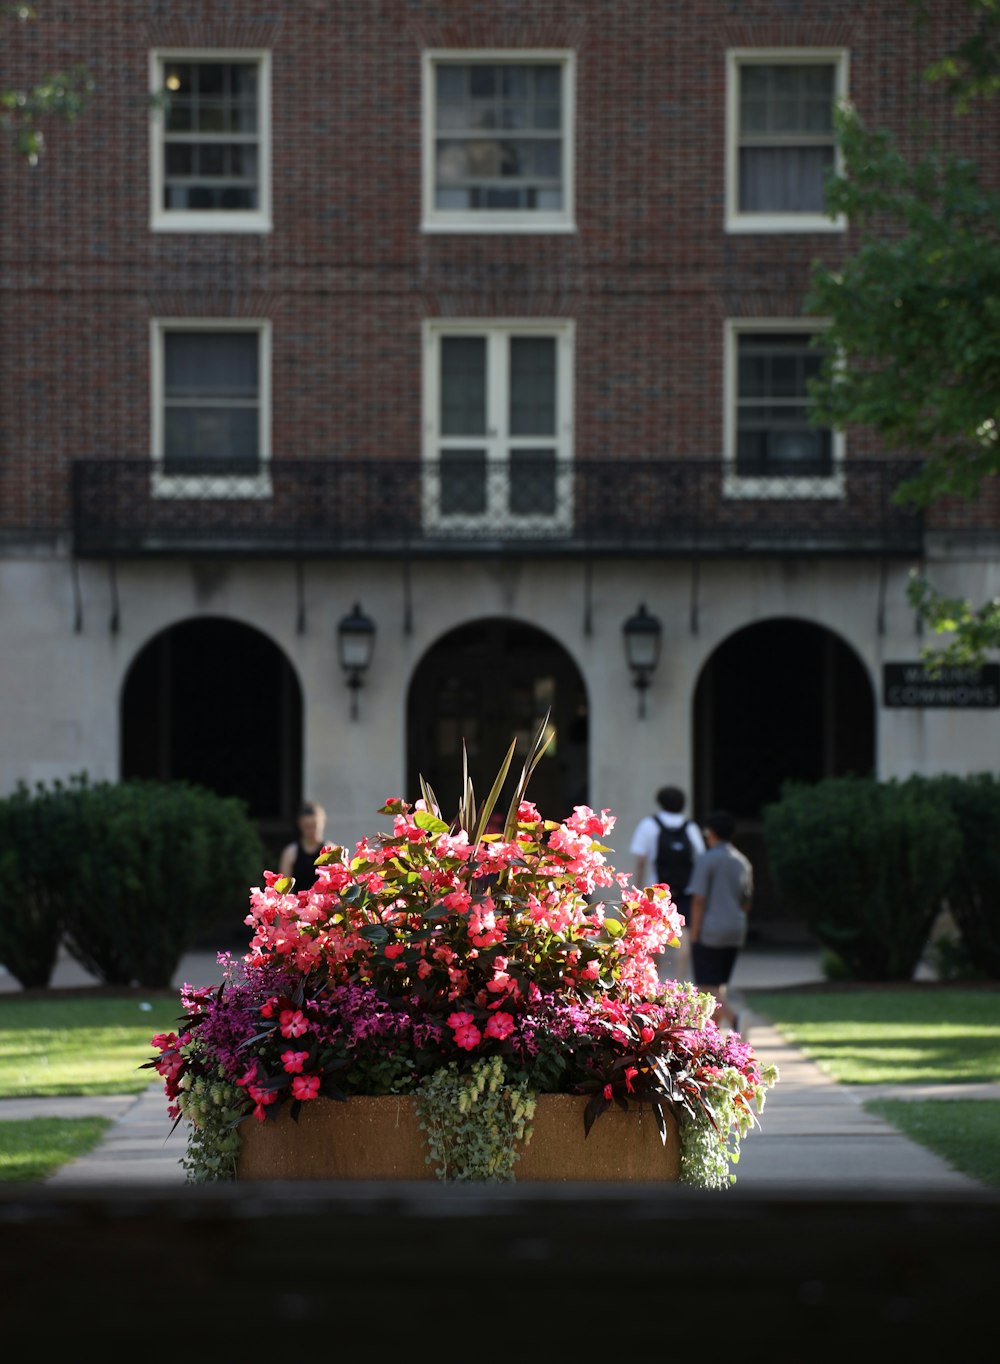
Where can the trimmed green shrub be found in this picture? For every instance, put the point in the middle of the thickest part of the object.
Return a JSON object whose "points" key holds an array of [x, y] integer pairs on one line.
{"points": [[133, 872], [973, 891], [866, 865], [34, 832]]}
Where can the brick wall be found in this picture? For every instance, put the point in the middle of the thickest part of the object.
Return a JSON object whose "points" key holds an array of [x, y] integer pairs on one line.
{"points": [[346, 275]]}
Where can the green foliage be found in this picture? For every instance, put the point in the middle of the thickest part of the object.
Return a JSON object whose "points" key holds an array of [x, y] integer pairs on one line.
{"points": [[473, 1120], [973, 890], [35, 836], [213, 1109], [131, 873], [59, 94], [35, 1148], [866, 865], [912, 346]]}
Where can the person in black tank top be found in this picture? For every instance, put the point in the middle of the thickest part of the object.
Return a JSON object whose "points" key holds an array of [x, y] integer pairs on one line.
{"points": [[298, 859]]}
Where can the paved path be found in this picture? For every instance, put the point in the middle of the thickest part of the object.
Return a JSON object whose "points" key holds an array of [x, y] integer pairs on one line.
{"points": [[815, 1135]]}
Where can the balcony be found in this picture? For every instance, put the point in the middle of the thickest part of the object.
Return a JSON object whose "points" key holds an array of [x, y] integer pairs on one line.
{"points": [[329, 508]]}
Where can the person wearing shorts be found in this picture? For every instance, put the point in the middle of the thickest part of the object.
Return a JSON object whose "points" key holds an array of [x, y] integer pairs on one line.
{"points": [[721, 889]]}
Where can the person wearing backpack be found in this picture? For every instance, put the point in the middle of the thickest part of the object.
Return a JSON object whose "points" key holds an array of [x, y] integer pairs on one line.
{"points": [[665, 846]]}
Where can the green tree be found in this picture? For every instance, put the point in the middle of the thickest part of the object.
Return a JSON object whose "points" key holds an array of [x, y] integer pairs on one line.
{"points": [[59, 94], [913, 346]]}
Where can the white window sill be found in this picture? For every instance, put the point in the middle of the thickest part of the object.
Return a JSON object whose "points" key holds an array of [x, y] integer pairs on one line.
{"points": [[206, 487], [437, 225], [210, 222], [778, 487], [785, 222]]}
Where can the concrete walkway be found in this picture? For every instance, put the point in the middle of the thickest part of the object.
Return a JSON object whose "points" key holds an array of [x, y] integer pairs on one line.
{"points": [[815, 1135]]}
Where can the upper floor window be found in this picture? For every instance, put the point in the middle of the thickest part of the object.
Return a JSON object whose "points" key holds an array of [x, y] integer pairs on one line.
{"points": [[497, 399], [780, 139], [498, 141], [211, 407], [772, 447], [210, 142]]}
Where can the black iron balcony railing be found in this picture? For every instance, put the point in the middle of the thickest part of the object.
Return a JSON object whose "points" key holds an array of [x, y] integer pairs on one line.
{"points": [[385, 507]]}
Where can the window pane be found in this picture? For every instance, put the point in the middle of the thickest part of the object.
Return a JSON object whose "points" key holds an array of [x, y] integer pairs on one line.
{"points": [[783, 179], [211, 364], [463, 386], [211, 433], [532, 483], [179, 158], [211, 78], [532, 386], [463, 482]]}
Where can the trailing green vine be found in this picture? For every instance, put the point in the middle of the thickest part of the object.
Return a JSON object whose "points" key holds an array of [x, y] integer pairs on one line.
{"points": [[212, 1107], [473, 1120]]}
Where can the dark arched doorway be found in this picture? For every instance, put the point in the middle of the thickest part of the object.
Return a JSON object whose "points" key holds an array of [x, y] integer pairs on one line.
{"points": [[780, 700], [217, 703], [488, 683]]}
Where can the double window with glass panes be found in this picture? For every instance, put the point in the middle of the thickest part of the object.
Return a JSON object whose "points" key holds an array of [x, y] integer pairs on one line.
{"points": [[210, 131], [498, 425], [781, 142]]}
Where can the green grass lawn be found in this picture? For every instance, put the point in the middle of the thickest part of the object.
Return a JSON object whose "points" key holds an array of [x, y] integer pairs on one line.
{"points": [[963, 1131], [939, 1036], [34, 1148], [79, 1045], [867, 1037]]}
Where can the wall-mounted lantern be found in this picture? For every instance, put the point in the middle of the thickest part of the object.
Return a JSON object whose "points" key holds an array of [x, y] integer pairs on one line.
{"points": [[356, 644], [643, 634]]}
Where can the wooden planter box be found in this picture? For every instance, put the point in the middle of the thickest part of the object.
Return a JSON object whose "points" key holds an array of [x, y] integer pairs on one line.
{"points": [[379, 1138]]}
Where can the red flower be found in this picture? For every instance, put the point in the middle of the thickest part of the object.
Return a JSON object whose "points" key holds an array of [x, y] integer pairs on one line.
{"points": [[305, 1086], [293, 1024]]}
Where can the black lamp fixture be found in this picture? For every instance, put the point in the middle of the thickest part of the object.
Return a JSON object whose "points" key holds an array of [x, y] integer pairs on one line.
{"points": [[643, 633], [356, 644]]}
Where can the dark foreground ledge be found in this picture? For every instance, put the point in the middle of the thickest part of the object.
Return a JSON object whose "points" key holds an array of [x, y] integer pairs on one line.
{"points": [[518, 1269]]}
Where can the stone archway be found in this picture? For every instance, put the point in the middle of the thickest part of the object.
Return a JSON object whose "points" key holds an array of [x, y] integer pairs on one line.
{"points": [[487, 683], [779, 700], [217, 703]]}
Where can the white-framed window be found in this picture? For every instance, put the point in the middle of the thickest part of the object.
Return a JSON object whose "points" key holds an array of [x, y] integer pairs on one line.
{"points": [[210, 141], [211, 408], [780, 141], [498, 427], [771, 448], [498, 141]]}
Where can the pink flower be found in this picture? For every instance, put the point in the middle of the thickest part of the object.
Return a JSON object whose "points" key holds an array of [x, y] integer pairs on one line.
{"points": [[394, 950], [630, 1074], [501, 1025], [293, 1024], [460, 1020], [293, 1061], [468, 1037], [267, 1008], [305, 1086], [608, 1092]]}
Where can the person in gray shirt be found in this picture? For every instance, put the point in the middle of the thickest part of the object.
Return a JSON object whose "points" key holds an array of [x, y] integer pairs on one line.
{"points": [[721, 889]]}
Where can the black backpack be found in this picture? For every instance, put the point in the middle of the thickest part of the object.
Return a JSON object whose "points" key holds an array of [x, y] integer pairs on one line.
{"points": [[674, 857]]}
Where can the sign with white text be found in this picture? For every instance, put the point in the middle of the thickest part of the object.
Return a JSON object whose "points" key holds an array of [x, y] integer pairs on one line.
{"points": [[952, 688]]}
